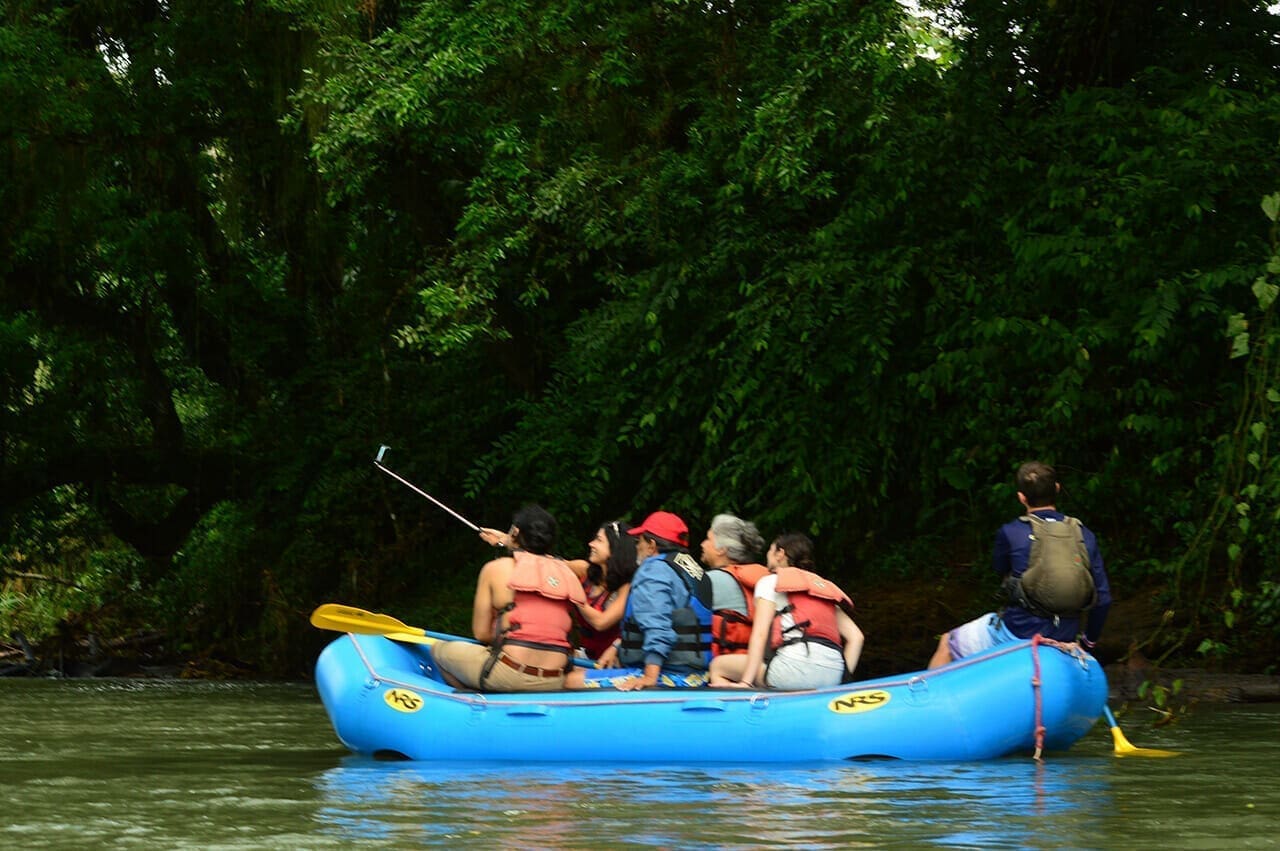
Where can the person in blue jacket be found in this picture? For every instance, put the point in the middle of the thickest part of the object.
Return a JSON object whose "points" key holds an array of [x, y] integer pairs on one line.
{"points": [[1038, 489], [666, 624]]}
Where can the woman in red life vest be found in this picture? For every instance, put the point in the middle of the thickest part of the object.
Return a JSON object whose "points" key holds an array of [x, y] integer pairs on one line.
{"points": [[522, 609], [606, 580], [803, 618]]}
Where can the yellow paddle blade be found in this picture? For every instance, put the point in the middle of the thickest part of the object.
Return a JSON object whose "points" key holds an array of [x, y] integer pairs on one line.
{"points": [[350, 619], [1123, 747]]}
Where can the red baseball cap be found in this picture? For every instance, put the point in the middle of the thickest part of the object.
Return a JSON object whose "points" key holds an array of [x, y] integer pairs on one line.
{"points": [[665, 525]]}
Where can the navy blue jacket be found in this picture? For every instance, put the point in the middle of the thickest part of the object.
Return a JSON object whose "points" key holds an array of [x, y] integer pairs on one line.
{"points": [[1013, 548]]}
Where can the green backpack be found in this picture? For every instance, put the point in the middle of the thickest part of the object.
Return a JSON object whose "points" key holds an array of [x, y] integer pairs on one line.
{"points": [[1057, 582]]}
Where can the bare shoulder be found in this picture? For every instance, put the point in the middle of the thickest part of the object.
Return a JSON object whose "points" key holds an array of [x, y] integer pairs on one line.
{"points": [[498, 570]]}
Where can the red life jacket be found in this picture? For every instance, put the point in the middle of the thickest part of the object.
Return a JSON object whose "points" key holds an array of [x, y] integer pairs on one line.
{"points": [[812, 602], [546, 592], [595, 641], [730, 625]]}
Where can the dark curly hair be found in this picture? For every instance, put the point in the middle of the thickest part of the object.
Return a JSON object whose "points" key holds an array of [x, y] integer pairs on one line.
{"points": [[536, 529]]}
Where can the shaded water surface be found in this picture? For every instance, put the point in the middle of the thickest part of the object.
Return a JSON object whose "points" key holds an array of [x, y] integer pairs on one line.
{"points": [[120, 763]]}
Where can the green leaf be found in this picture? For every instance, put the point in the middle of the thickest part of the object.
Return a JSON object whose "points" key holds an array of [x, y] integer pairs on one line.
{"points": [[1271, 206], [1265, 292]]}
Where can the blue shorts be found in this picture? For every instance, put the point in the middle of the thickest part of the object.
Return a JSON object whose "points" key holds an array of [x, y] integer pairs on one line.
{"points": [[977, 635]]}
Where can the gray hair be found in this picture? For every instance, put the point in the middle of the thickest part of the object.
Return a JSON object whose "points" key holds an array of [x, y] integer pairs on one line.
{"points": [[739, 538]]}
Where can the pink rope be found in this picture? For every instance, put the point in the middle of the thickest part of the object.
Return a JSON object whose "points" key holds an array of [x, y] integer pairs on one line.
{"points": [[1036, 641]]}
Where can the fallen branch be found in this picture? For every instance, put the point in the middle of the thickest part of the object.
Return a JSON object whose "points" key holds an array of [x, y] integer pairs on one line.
{"points": [[22, 574]]}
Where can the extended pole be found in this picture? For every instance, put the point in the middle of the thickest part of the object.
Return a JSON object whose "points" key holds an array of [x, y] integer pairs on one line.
{"points": [[377, 462]]}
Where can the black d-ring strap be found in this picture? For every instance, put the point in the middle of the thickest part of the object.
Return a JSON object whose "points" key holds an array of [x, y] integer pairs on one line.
{"points": [[494, 652]]}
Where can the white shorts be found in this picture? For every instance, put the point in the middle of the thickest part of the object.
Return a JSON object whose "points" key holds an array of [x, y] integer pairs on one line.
{"points": [[979, 634], [800, 667]]}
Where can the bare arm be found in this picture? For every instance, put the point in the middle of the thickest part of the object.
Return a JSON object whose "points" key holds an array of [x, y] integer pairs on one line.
{"points": [[578, 566], [853, 640], [760, 627], [612, 614]]}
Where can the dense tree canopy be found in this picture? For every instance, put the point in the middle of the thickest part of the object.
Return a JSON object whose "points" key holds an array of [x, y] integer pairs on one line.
{"points": [[834, 266]]}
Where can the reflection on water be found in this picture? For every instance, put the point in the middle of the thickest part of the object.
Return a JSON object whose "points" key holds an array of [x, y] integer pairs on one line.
{"points": [[211, 765], [867, 804]]}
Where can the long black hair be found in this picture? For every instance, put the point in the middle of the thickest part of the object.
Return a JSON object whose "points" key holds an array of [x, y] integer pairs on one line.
{"points": [[622, 558]]}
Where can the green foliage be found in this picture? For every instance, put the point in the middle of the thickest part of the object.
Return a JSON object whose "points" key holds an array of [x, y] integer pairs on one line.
{"points": [[1236, 544], [830, 266], [1161, 696], [59, 571]]}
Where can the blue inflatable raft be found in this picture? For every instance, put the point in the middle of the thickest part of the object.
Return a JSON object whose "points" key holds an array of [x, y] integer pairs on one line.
{"points": [[385, 698]]}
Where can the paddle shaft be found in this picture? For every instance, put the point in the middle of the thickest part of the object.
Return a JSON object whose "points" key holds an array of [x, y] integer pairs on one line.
{"points": [[1106, 713], [377, 462], [340, 618]]}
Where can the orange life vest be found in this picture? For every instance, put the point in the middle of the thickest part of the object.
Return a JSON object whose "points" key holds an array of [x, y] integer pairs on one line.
{"points": [[812, 602], [730, 624], [546, 592]]}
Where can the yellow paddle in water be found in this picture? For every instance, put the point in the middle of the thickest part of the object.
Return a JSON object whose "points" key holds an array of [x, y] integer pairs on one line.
{"points": [[349, 619], [1123, 748]]}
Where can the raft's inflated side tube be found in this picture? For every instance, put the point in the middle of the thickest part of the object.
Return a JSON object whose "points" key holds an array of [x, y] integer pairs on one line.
{"points": [[385, 697]]}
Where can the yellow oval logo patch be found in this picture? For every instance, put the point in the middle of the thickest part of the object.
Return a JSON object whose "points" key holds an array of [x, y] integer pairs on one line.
{"points": [[403, 700], [858, 701]]}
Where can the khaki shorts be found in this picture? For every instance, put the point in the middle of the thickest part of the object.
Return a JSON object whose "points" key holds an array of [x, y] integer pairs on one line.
{"points": [[467, 661]]}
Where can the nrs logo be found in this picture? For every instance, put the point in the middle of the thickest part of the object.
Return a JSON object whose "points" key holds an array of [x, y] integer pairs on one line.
{"points": [[858, 701], [403, 700]]}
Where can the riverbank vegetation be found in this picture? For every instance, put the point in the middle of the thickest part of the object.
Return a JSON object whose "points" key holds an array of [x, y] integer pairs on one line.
{"points": [[833, 266]]}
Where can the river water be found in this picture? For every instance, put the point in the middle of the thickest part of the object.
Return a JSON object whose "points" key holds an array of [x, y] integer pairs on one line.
{"points": [[147, 763]]}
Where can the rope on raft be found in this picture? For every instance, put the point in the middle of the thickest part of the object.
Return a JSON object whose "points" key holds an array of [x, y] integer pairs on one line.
{"points": [[1035, 684], [1071, 649]]}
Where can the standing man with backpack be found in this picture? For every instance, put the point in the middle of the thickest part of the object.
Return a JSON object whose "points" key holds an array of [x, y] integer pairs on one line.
{"points": [[1052, 572]]}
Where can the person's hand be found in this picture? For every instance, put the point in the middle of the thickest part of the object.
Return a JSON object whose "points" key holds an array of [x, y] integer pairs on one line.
{"points": [[494, 538], [739, 684], [635, 683], [609, 658]]}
